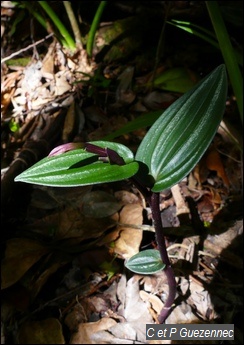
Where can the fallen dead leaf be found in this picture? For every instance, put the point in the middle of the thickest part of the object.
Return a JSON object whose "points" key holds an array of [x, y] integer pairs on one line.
{"points": [[129, 239], [62, 85], [183, 313], [154, 303], [47, 331], [69, 123], [20, 255], [100, 204], [214, 162], [126, 197], [86, 331], [71, 223]]}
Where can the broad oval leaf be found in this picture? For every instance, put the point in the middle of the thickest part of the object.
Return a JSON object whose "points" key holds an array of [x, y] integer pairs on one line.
{"points": [[78, 167], [146, 262], [178, 139], [87, 175]]}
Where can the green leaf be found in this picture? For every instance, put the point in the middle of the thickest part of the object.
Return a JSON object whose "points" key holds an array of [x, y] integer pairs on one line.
{"points": [[78, 167], [146, 262], [175, 79], [141, 121], [13, 126], [178, 139]]}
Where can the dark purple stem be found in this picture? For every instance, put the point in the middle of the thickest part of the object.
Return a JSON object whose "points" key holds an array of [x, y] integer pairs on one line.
{"points": [[153, 199], [154, 203]]}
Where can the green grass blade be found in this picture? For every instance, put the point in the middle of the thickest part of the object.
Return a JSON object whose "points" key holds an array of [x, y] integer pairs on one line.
{"points": [[70, 43], [94, 26], [227, 52]]}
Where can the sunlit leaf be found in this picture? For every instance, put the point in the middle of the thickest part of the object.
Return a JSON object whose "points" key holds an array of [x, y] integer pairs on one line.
{"points": [[79, 167], [87, 175], [146, 262], [179, 138]]}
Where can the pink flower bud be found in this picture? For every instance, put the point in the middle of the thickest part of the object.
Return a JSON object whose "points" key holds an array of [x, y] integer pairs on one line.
{"points": [[65, 148]]}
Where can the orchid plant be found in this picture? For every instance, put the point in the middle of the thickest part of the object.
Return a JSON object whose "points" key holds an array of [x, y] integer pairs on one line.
{"points": [[170, 150]]}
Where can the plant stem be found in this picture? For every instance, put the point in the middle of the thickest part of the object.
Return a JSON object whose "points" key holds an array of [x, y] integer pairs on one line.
{"points": [[153, 200], [154, 203]]}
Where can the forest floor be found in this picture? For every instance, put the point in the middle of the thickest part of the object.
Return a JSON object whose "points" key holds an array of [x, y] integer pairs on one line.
{"points": [[63, 249]]}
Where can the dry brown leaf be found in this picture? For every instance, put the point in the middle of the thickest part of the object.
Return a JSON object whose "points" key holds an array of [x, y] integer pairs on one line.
{"points": [[95, 114], [6, 97], [47, 331], [68, 196], [126, 197], [158, 100], [210, 161], [182, 314], [69, 123], [200, 300], [214, 162], [154, 300], [71, 223], [32, 77], [108, 127], [154, 283], [99, 204], [154, 303], [135, 312], [129, 240], [20, 255], [62, 84], [86, 331], [42, 278], [48, 63]]}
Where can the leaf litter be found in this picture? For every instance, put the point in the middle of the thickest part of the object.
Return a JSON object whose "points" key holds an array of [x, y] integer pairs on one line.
{"points": [[64, 260]]}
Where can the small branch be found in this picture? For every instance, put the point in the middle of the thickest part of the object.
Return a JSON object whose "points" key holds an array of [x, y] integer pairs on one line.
{"points": [[181, 205], [26, 48]]}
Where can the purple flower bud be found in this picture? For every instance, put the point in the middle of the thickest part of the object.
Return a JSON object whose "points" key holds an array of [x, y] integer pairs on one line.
{"points": [[65, 148]]}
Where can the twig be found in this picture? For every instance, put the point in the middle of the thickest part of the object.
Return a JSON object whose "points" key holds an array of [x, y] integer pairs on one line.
{"points": [[181, 205], [26, 48]]}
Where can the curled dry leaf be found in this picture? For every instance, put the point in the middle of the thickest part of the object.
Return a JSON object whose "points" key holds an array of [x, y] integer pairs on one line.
{"points": [[99, 204], [47, 331], [20, 255], [86, 331], [130, 238]]}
